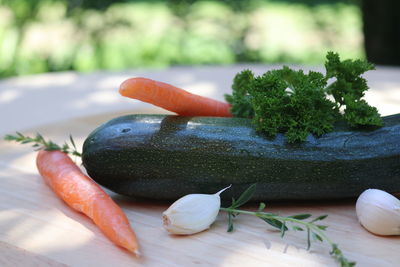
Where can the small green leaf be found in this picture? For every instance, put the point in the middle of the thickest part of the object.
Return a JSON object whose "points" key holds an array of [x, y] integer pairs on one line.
{"points": [[301, 216], [319, 218], [297, 228], [39, 137], [9, 137], [283, 229], [230, 222], [322, 227], [261, 207], [316, 236], [245, 196], [274, 223], [334, 249], [76, 153], [72, 142]]}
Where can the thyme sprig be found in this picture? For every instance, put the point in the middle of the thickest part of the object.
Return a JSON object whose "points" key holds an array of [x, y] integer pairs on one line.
{"points": [[314, 230], [39, 143]]}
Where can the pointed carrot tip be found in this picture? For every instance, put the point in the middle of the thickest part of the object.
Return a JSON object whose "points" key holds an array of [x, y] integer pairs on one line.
{"points": [[137, 253]]}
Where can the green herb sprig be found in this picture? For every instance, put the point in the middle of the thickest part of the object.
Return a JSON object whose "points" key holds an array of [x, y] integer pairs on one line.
{"points": [[296, 103], [39, 143], [314, 231]]}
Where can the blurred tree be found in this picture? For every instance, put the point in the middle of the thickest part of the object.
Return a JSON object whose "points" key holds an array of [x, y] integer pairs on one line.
{"points": [[24, 12], [120, 34], [180, 8], [382, 31], [91, 4], [242, 10]]}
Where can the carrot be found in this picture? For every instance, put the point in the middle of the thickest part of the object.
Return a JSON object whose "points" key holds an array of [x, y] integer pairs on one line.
{"points": [[173, 98], [84, 195]]}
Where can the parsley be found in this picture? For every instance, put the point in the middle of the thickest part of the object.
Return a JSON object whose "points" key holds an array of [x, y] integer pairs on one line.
{"points": [[297, 104], [240, 98]]}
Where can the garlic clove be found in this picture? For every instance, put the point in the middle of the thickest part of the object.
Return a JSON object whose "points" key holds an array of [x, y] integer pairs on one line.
{"points": [[379, 212], [192, 213]]}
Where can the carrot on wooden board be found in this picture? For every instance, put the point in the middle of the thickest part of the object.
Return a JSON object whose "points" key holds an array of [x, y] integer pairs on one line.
{"points": [[173, 98], [84, 195]]}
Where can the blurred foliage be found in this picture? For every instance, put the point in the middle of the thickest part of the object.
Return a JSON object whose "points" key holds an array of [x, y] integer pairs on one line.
{"points": [[55, 35]]}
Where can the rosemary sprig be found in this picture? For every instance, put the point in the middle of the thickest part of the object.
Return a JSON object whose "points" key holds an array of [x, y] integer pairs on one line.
{"points": [[314, 231], [39, 143]]}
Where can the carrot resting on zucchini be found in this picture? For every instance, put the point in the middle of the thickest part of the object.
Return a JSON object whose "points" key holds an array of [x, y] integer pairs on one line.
{"points": [[79, 191], [173, 98], [296, 104]]}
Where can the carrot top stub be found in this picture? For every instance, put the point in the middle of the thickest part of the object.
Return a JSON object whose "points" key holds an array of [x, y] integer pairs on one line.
{"points": [[173, 98]]}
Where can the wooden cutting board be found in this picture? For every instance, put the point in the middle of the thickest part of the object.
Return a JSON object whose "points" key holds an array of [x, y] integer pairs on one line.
{"points": [[38, 229]]}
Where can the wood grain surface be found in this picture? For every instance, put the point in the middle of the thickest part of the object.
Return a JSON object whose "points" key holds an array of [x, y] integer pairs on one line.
{"points": [[38, 229]]}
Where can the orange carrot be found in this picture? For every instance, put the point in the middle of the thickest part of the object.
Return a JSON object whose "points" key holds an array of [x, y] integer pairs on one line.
{"points": [[84, 195], [173, 98]]}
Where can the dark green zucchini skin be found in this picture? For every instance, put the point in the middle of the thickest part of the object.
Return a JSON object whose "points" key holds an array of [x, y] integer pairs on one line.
{"points": [[166, 157]]}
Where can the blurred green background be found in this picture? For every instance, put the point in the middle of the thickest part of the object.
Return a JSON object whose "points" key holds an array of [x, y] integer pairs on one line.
{"points": [[57, 35]]}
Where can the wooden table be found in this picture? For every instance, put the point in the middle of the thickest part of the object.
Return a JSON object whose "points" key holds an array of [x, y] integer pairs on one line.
{"points": [[38, 229]]}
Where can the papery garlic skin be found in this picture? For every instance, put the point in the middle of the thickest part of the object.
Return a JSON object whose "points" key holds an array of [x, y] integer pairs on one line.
{"points": [[192, 213], [379, 212]]}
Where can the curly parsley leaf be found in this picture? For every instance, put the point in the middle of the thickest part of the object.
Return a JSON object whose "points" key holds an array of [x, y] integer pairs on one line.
{"points": [[240, 98], [359, 114], [296, 104], [348, 89], [292, 102]]}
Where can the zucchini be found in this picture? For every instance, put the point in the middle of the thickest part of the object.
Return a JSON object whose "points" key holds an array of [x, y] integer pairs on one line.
{"points": [[166, 157]]}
